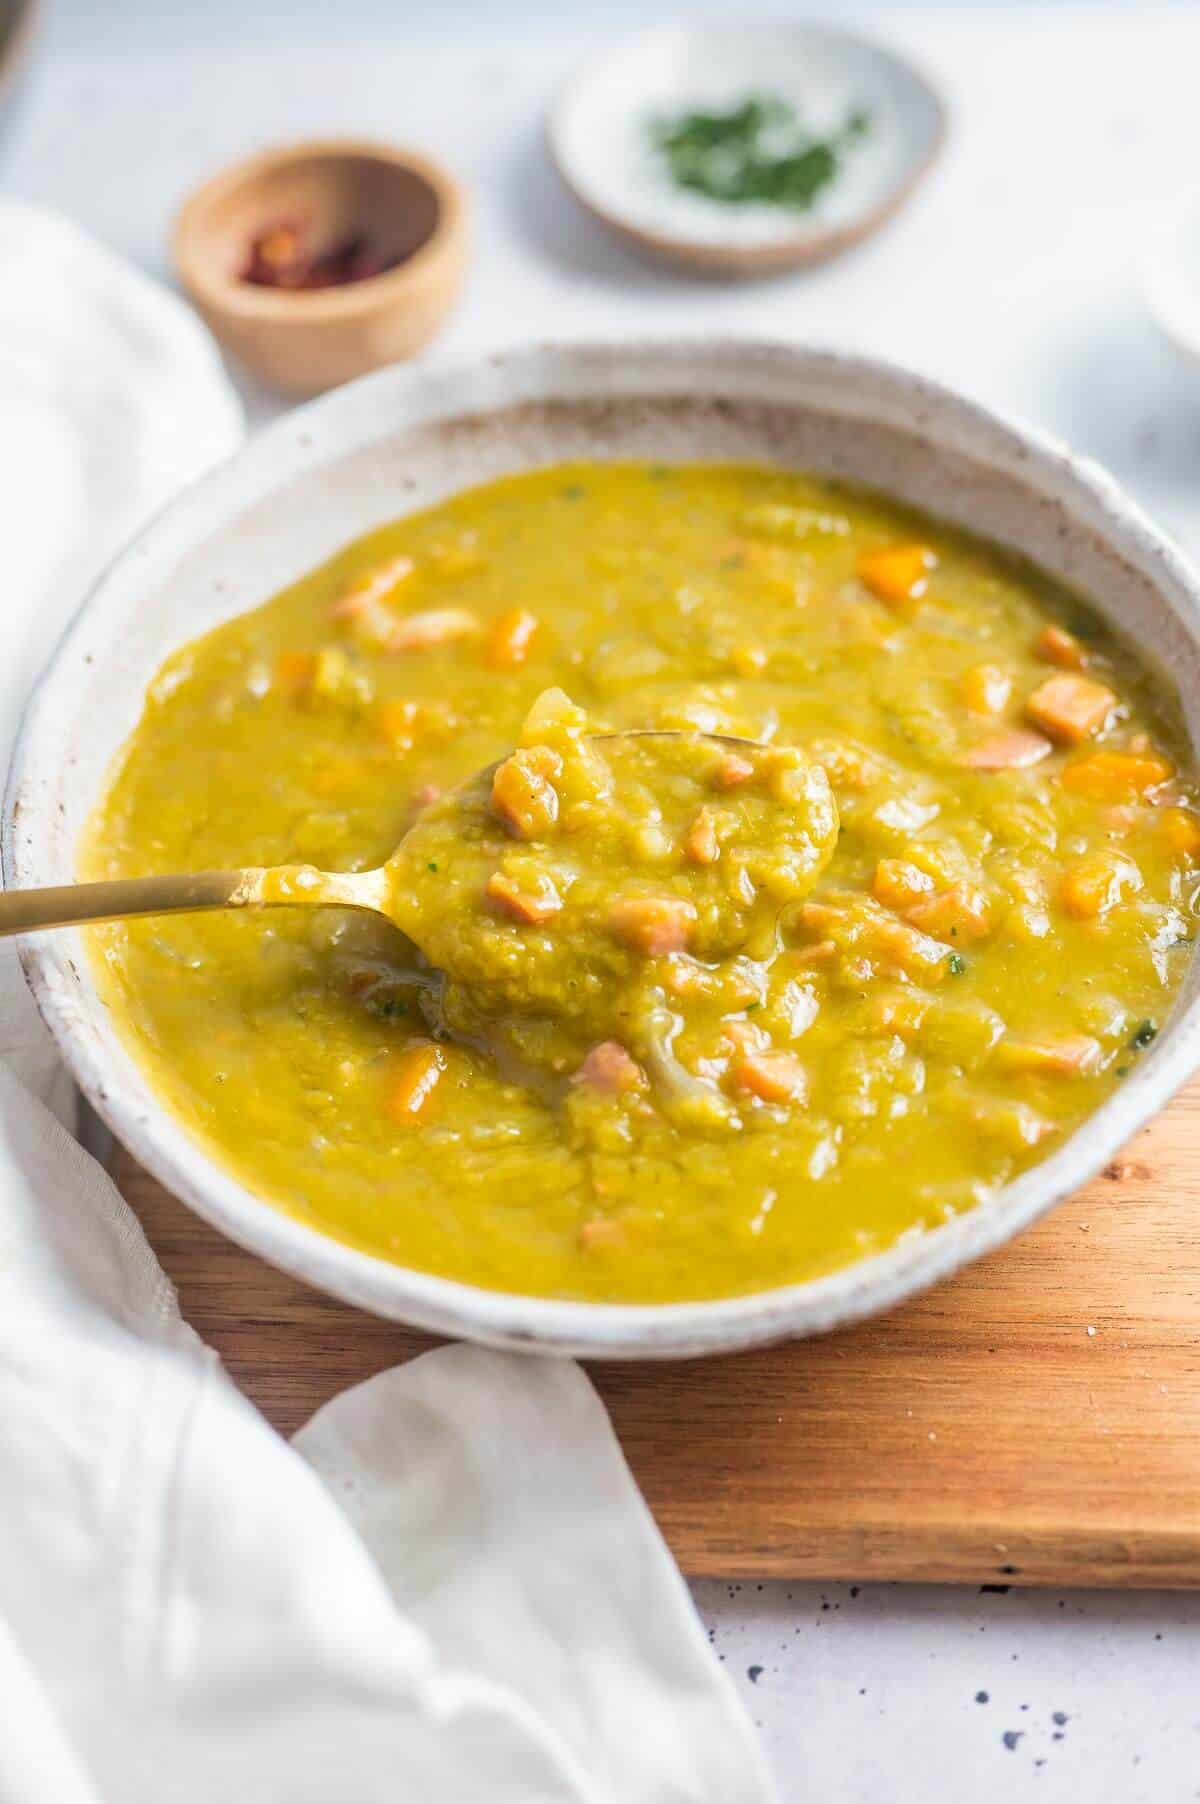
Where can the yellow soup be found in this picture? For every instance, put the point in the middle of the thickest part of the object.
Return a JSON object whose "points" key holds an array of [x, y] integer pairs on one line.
{"points": [[676, 1018]]}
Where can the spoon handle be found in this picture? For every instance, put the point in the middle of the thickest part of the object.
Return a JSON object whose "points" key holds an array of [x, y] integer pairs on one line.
{"points": [[192, 892], [29, 910]]}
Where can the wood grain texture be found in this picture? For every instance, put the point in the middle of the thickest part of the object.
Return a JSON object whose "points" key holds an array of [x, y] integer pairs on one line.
{"points": [[978, 1434]]}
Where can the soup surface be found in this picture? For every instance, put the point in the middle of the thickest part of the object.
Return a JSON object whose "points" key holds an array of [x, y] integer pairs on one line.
{"points": [[700, 1023]]}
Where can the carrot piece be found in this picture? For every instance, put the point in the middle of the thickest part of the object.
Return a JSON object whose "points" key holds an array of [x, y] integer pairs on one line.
{"points": [[1070, 708], [961, 912], [1112, 776], [1072, 1055], [528, 905], [900, 1011], [700, 842], [510, 638], [771, 1076], [986, 689], [1055, 645], [413, 1079], [652, 924], [1098, 884], [912, 952], [523, 792], [897, 573], [732, 770], [397, 724], [898, 884], [294, 671], [1014, 750], [603, 1234], [1182, 830], [609, 1069], [435, 626]]}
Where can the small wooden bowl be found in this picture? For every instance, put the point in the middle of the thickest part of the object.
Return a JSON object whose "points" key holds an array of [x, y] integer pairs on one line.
{"points": [[302, 341]]}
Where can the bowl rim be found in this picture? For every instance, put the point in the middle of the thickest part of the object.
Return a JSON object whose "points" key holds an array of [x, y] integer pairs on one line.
{"points": [[709, 251], [235, 299], [122, 1092]]}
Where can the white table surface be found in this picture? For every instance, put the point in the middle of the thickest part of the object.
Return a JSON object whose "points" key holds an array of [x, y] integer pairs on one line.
{"points": [[1013, 276]]}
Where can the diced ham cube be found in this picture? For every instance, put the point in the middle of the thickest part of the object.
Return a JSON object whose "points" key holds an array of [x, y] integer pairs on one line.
{"points": [[652, 924], [1014, 750], [523, 903], [609, 1069], [1070, 708]]}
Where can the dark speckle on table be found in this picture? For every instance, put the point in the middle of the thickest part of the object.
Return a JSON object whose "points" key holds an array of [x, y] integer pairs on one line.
{"points": [[981, 1697], [1010, 1738], [1060, 1717], [753, 1673]]}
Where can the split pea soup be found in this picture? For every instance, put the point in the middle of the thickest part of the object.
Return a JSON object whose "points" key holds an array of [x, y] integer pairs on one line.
{"points": [[894, 891]]}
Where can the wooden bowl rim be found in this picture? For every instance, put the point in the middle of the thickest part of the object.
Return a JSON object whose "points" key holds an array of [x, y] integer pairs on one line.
{"points": [[235, 299]]}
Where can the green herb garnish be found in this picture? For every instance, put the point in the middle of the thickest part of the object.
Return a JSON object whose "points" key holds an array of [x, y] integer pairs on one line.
{"points": [[1143, 1035], [957, 964], [757, 153]]}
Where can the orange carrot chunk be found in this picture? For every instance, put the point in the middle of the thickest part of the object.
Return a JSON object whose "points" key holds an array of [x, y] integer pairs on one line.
{"points": [[732, 770], [898, 884], [898, 573], [294, 671], [510, 638], [771, 1076], [1182, 831], [1070, 708], [1072, 1055], [961, 912], [1115, 776], [700, 842], [1014, 750], [986, 688], [523, 792], [414, 1077], [1055, 645], [1098, 884]]}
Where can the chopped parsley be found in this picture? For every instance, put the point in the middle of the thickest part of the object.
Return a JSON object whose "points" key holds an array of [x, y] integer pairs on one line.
{"points": [[1143, 1035], [755, 154], [957, 964]]}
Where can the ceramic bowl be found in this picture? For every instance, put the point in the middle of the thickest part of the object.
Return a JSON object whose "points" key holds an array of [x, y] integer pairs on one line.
{"points": [[302, 342], [598, 132], [406, 438]]}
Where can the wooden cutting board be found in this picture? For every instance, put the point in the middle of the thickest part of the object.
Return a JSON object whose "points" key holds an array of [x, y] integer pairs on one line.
{"points": [[1035, 1420]]}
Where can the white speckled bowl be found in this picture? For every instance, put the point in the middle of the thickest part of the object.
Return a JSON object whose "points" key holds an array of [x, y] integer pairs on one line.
{"points": [[597, 136], [407, 437]]}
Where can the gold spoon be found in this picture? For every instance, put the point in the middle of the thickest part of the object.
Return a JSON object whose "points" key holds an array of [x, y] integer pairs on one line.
{"points": [[196, 892]]}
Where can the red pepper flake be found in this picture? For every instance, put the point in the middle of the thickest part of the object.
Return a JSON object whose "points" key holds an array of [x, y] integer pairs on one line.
{"points": [[280, 257]]}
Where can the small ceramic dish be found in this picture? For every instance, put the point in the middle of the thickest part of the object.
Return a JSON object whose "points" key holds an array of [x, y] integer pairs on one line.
{"points": [[600, 135], [407, 438], [301, 341]]}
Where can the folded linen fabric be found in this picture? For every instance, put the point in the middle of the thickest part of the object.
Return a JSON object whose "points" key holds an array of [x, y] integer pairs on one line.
{"points": [[449, 1588]]}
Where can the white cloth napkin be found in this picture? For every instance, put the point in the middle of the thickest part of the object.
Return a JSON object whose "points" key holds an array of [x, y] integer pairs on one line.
{"points": [[448, 1589]]}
